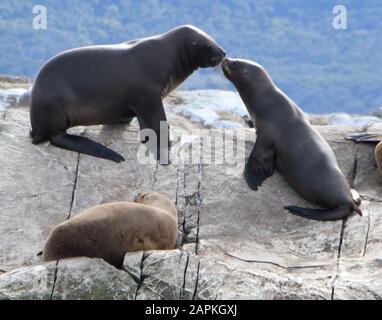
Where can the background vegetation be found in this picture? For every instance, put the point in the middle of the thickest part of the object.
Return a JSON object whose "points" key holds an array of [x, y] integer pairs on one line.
{"points": [[322, 69]]}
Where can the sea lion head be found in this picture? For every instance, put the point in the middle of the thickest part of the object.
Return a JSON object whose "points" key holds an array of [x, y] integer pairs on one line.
{"points": [[204, 50], [246, 75], [157, 200]]}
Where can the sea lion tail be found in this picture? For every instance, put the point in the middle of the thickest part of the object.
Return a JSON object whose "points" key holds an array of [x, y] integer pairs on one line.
{"points": [[338, 213], [365, 137], [85, 145]]}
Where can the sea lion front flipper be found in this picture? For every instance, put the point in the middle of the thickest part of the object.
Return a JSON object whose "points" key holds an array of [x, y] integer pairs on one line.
{"points": [[324, 214], [86, 146], [260, 164], [152, 116]]}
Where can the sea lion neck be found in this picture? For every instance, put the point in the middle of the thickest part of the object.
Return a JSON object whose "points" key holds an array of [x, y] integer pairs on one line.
{"points": [[267, 103], [166, 206], [182, 64], [259, 95], [253, 99]]}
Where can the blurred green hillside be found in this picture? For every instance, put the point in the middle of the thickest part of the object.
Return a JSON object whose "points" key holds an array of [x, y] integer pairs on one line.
{"points": [[322, 69]]}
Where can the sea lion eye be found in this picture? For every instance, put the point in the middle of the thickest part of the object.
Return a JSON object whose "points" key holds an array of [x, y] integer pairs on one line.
{"points": [[208, 49]]}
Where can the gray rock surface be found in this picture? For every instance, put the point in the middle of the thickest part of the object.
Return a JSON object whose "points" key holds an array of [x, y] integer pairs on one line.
{"points": [[234, 243], [377, 112], [3, 297]]}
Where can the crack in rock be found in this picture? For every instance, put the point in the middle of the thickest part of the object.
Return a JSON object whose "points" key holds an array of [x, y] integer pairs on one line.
{"points": [[371, 199], [57, 161], [367, 234], [355, 167], [196, 281], [54, 280], [4, 297], [181, 295], [177, 187], [200, 200], [68, 217], [42, 193], [277, 264], [336, 275], [343, 226], [141, 276], [191, 202], [74, 186], [155, 175], [185, 210]]}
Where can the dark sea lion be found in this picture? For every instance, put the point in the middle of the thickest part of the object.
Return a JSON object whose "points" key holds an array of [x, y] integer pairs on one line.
{"points": [[110, 230], [287, 142], [111, 84]]}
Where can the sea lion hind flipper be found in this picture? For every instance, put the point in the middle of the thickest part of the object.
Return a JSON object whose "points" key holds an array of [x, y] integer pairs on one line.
{"points": [[260, 166], [365, 137], [338, 213], [86, 146]]}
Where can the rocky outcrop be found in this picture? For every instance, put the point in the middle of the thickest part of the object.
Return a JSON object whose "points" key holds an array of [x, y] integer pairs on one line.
{"points": [[193, 109], [233, 244], [8, 81], [377, 112]]}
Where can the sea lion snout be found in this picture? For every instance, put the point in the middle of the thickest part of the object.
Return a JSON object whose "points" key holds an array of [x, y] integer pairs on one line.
{"points": [[207, 53], [137, 198], [141, 197], [149, 197], [228, 66], [218, 57], [213, 55]]}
